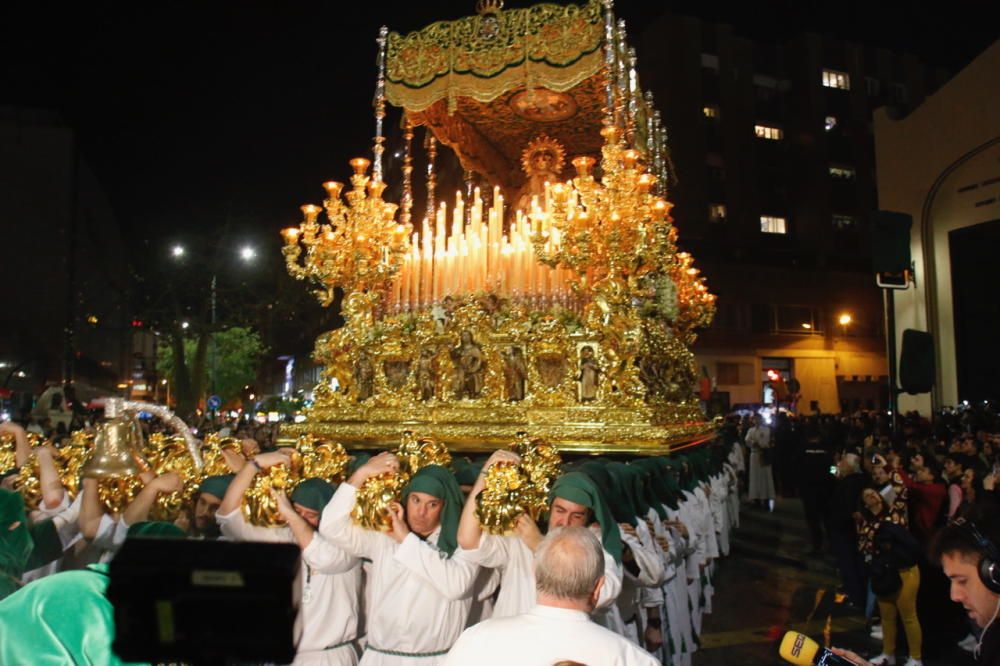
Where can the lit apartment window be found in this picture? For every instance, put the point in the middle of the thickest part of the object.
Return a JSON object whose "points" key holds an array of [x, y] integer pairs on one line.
{"points": [[829, 123], [873, 86], [768, 132], [772, 225], [834, 79], [839, 171], [710, 111], [717, 212], [844, 222]]}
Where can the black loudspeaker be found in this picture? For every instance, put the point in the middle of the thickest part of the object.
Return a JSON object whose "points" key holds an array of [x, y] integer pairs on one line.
{"points": [[205, 602], [916, 362], [891, 242]]}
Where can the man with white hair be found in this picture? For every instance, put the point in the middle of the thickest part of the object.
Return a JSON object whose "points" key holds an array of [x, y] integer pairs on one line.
{"points": [[569, 575]]}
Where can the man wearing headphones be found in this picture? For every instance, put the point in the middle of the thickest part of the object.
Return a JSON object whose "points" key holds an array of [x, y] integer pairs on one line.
{"points": [[967, 549]]}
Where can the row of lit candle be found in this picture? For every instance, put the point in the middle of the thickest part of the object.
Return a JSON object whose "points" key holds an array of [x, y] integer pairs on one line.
{"points": [[475, 255]]}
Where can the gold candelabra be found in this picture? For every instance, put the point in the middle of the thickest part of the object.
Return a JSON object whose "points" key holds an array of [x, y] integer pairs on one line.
{"points": [[617, 236], [358, 248]]}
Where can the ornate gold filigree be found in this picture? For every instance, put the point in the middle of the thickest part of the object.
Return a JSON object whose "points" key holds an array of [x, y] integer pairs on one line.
{"points": [[515, 489], [360, 246], [371, 509]]}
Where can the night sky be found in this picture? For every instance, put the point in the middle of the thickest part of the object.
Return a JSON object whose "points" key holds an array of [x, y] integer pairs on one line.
{"points": [[194, 111]]}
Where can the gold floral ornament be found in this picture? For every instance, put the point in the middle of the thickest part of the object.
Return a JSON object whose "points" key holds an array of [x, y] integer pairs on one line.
{"points": [[322, 459], [504, 498], [170, 454], [212, 454], [359, 247], [515, 489], [371, 509], [541, 461], [259, 506], [116, 493], [8, 453], [71, 459], [26, 481], [417, 452], [8, 449]]}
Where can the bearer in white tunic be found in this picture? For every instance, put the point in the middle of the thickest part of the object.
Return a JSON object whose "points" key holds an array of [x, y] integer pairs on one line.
{"points": [[575, 502], [331, 578], [421, 589], [569, 571]]}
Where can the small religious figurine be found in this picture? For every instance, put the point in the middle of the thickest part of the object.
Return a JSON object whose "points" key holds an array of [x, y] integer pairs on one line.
{"points": [[396, 373], [469, 367], [492, 305], [589, 376], [515, 373], [439, 316], [449, 305], [542, 161], [364, 376], [426, 374]]}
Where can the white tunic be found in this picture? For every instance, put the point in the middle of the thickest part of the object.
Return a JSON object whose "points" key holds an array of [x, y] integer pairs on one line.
{"points": [[542, 637], [419, 597], [650, 575], [516, 564], [331, 581], [61, 525], [678, 602], [761, 478]]}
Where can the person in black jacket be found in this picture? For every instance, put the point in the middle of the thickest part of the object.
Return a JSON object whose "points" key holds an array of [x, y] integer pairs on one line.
{"points": [[816, 484], [843, 531]]}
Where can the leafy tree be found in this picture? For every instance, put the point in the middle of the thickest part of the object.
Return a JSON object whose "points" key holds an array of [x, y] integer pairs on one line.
{"points": [[209, 286], [238, 351]]}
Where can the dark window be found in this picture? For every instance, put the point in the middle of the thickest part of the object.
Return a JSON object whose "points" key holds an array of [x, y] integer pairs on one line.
{"points": [[797, 319], [761, 318], [727, 373]]}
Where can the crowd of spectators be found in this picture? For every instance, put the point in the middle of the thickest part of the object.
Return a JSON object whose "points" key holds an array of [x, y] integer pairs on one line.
{"points": [[875, 499]]}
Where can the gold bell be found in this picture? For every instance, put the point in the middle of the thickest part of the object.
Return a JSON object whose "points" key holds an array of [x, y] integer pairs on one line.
{"points": [[116, 445]]}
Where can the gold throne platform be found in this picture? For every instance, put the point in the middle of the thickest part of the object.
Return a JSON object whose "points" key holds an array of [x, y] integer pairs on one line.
{"points": [[569, 316]]}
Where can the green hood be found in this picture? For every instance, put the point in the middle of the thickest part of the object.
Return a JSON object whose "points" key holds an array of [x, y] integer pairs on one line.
{"points": [[656, 485], [438, 482], [15, 544], [466, 471], [648, 482], [580, 489], [155, 530], [313, 494], [357, 460], [216, 485], [625, 483]]}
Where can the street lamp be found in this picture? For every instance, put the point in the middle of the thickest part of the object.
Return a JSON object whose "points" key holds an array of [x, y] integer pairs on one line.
{"points": [[844, 320], [177, 251], [247, 253]]}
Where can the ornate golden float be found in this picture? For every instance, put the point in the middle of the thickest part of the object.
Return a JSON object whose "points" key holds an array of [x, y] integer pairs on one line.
{"points": [[568, 315]]}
